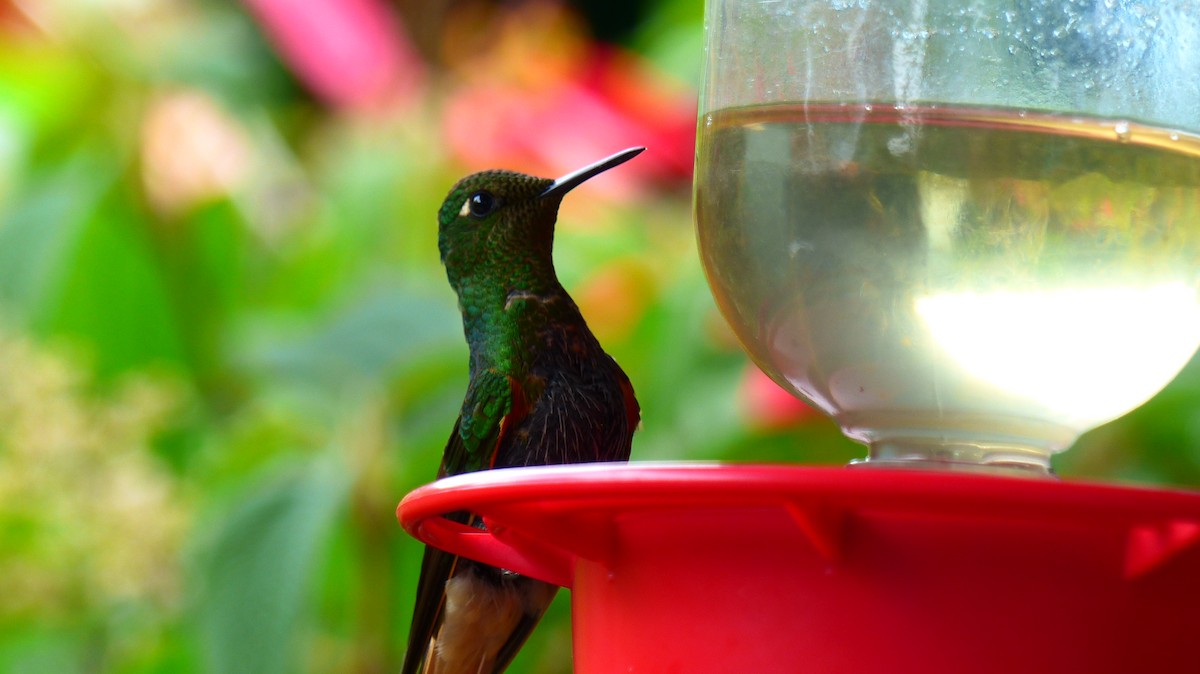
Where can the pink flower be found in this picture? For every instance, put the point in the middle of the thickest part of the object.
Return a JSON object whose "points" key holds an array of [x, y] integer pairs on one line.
{"points": [[352, 53], [540, 97], [767, 406]]}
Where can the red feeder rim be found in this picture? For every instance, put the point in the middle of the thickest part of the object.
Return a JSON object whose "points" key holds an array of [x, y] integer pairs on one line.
{"points": [[543, 519]]}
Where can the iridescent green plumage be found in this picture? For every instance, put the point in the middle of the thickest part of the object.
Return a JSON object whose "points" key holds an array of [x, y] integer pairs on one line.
{"points": [[541, 391]]}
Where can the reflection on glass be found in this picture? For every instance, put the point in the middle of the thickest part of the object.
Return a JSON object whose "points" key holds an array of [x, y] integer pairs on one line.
{"points": [[1086, 355]]}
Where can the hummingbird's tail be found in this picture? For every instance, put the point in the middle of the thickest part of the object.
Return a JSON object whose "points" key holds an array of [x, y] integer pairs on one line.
{"points": [[487, 615]]}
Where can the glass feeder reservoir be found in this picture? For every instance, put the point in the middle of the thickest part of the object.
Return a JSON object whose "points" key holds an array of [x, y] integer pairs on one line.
{"points": [[969, 231]]}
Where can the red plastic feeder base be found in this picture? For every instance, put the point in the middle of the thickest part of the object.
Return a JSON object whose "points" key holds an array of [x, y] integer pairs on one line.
{"points": [[722, 568]]}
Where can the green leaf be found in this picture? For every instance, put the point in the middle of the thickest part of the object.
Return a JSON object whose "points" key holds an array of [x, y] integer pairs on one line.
{"points": [[258, 572], [31, 650], [204, 262], [44, 88], [113, 294], [41, 230], [375, 337]]}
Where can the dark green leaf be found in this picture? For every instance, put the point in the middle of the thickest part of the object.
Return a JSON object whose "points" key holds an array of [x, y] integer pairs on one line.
{"points": [[258, 572]]}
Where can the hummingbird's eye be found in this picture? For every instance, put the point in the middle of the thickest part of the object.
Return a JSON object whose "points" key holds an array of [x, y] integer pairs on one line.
{"points": [[480, 204]]}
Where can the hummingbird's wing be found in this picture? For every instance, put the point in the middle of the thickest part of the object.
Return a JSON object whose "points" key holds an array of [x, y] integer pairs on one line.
{"points": [[493, 404], [436, 568], [633, 411]]}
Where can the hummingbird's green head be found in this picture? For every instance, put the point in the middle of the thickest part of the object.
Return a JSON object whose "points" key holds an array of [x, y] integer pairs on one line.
{"points": [[501, 223], [492, 213]]}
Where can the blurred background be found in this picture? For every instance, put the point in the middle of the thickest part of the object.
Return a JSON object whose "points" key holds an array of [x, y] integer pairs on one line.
{"points": [[227, 347]]}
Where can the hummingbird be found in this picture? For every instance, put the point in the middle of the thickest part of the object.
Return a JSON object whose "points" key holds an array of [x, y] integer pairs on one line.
{"points": [[541, 390]]}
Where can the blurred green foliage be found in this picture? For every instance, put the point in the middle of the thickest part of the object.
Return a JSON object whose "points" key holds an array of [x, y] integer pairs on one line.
{"points": [[227, 348]]}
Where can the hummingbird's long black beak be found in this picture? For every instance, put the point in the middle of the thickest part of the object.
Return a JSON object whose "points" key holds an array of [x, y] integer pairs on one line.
{"points": [[572, 180]]}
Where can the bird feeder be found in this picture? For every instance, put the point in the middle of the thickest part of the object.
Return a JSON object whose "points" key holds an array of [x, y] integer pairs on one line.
{"points": [[703, 568], [967, 232]]}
